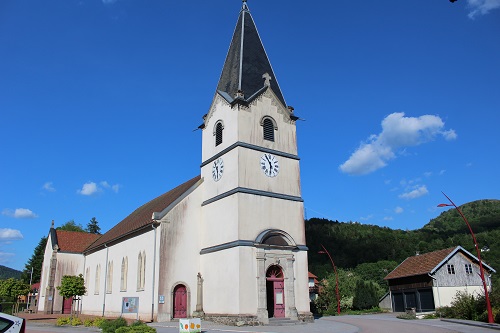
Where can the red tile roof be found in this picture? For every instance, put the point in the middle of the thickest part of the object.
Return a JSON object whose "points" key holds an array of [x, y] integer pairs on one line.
{"points": [[74, 241], [142, 216], [419, 265]]}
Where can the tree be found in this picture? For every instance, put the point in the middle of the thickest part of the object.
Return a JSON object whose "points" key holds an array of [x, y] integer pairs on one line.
{"points": [[12, 289], [72, 286], [366, 295], [71, 226], [93, 226], [35, 262]]}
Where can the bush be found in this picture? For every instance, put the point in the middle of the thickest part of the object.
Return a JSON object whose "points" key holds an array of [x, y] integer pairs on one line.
{"points": [[365, 295], [444, 312], [63, 321], [98, 322], [465, 306], [407, 316], [88, 322], [110, 326], [136, 329], [76, 321]]}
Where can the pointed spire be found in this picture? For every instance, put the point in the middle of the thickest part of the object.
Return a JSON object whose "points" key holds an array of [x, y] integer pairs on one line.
{"points": [[247, 70]]}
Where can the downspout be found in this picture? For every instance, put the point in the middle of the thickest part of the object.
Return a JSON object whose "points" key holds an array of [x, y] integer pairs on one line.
{"points": [[154, 272], [86, 282], [105, 280]]}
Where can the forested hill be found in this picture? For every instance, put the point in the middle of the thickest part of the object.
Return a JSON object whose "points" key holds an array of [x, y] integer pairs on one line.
{"points": [[6, 273], [353, 243]]}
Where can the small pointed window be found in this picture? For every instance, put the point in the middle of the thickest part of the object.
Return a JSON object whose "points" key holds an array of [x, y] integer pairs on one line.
{"points": [[218, 133], [109, 278], [97, 279], [268, 127], [123, 283]]}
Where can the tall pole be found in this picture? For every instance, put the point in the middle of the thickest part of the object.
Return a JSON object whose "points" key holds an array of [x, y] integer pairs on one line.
{"points": [[336, 277], [29, 294], [481, 269]]}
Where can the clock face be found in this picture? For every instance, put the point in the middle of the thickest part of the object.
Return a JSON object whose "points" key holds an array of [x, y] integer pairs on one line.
{"points": [[269, 165], [217, 169]]}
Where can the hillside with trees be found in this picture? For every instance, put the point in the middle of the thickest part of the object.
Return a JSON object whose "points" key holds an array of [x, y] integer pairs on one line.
{"points": [[365, 254], [7, 273], [352, 243]]}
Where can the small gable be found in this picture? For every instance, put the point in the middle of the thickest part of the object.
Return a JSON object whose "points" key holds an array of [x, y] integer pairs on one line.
{"points": [[74, 241]]}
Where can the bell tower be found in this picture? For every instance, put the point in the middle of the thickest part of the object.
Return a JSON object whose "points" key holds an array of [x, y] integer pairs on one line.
{"points": [[252, 210]]}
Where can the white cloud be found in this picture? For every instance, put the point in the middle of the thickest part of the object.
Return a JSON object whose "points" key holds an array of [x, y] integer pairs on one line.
{"points": [[366, 218], [398, 210], [482, 7], [48, 186], [442, 172], [415, 193], [89, 188], [109, 2], [19, 213], [115, 188], [398, 132], [10, 234], [388, 218]]}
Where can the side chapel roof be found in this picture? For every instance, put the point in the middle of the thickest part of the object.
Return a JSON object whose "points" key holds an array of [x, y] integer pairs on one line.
{"points": [[143, 216], [72, 241], [246, 63], [428, 263]]}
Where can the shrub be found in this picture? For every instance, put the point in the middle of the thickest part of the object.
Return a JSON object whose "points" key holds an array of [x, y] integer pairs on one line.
{"points": [[136, 329], [88, 322], [407, 316], [444, 312], [76, 321], [365, 295], [465, 306], [110, 326], [98, 322], [63, 321]]}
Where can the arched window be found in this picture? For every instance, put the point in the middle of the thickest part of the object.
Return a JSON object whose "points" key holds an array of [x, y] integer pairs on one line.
{"points": [[97, 279], [87, 278], [268, 128], [141, 270], [123, 281], [109, 278], [219, 126]]}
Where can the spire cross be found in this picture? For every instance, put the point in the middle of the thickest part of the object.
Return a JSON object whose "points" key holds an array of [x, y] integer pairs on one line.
{"points": [[267, 79]]}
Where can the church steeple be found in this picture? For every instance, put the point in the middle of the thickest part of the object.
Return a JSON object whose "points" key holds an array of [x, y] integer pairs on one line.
{"points": [[247, 70]]}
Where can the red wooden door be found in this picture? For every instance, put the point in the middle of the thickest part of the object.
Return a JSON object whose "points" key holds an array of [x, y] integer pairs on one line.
{"points": [[279, 299], [67, 305], [180, 302]]}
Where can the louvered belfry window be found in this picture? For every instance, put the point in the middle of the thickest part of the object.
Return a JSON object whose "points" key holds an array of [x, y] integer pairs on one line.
{"points": [[218, 134], [268, 127]]}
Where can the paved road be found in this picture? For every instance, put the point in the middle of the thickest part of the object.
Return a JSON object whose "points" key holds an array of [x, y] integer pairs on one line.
{"points": [[380, 323]]}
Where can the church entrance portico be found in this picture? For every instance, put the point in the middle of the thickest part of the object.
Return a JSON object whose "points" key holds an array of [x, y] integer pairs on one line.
{"points": [[276, 288]]}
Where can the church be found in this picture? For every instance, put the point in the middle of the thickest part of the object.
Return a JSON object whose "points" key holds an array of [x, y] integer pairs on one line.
{"points": [[227, 245]]}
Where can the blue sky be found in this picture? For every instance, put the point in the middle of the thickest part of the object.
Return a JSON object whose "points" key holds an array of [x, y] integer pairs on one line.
{"points": [[99, 100]]}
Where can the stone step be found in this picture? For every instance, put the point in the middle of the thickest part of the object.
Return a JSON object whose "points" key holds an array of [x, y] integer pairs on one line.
{"points": [[284, 322]]}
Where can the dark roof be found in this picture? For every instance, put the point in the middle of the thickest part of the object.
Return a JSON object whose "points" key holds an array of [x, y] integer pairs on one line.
{"points": [[73, 241], [246, 62], [143, 216], [428, 263]]}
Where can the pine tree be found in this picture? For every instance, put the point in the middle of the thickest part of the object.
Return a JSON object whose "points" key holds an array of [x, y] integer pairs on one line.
{"points": [[93, 226], [35, 262]]}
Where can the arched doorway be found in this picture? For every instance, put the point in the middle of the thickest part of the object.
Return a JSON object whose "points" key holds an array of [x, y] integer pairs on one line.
{"points": [[67, 304], [180, 301], [275, 287]]}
